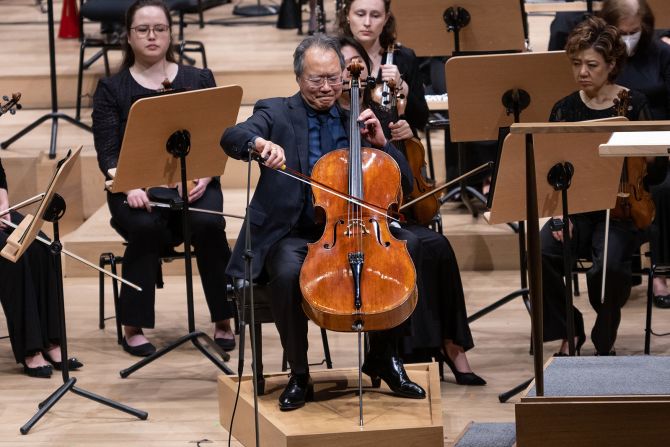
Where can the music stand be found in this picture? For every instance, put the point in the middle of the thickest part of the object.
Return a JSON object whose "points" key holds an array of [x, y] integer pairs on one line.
{"points": [[500, 94], [54, 115], [52, 208], [530, 133], [450, 27], [154, 153], [492, 25]]}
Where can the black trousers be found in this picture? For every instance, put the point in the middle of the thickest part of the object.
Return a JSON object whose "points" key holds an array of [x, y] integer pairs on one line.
{"points": [[149, 233], [29, 296], [440, 312], [282, 265], [588, 240]]}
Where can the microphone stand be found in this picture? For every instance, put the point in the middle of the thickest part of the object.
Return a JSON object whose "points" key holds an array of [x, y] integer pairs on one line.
{"points": [[247, 287], [257, 10], [54, 115]]}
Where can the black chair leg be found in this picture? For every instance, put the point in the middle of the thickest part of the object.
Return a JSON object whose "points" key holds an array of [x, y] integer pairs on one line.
{"points": [[650, 307], [101, 293], [115, 288], [258, 359]]}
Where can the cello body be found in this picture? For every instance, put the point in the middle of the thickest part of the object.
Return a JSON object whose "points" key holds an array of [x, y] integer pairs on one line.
{"points": [[357, 276]]}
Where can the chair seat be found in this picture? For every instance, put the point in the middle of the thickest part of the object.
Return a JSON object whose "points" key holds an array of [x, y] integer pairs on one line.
{"points": [[105, 10], [193, 6]]}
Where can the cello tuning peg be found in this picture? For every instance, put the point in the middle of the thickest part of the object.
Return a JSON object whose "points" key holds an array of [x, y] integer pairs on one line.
{"points": [[19, 106], [5, 98]]}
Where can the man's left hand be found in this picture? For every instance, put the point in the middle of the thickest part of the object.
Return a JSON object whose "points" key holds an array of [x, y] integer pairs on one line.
{"points": [[372, 128]]}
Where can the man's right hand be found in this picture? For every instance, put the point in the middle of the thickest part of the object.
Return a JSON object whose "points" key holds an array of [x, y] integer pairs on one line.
{"points": [[558, 235], [272, 153], [137, 198]]}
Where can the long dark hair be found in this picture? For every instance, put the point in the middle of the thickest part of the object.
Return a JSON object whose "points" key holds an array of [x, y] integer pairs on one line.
{"points": [[348, 41], [128, 55], [388, 35]]}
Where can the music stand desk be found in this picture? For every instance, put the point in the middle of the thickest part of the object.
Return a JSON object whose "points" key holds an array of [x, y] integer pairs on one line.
{"points": [[162, 133], [478, 83], [637, 144], [495, 25]]}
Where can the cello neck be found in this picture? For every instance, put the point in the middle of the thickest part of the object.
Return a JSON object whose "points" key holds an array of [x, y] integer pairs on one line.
{"points": [[355, 166]]}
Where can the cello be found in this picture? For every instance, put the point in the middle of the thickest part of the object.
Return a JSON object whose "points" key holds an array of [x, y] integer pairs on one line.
{"points": [[357, 276]]}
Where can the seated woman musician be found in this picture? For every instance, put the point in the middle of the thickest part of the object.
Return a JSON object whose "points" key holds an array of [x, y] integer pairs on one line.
{"points": [[29, 296], [149, 67], [596, 52], [439, 322]]}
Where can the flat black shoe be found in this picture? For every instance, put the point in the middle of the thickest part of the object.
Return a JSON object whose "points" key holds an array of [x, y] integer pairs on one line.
{"points": [[72, 363], [662, 301], [42, 372], [392, 372], [227, 344], [298, 391], [144, 350], [466, 378]]}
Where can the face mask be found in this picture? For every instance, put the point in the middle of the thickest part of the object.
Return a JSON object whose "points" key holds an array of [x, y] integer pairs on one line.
{"points": [[631, 41]]}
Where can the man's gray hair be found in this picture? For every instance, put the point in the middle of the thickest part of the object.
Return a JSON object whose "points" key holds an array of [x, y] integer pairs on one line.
{"points": [[319, 41]]}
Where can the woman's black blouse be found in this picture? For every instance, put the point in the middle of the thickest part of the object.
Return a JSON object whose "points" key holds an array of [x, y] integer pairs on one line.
{"points": [[111, 105]]}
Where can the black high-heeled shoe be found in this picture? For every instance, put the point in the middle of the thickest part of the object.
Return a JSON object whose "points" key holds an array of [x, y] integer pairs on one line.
{"points": [[462, 378], [72, 363], [578, 347]]}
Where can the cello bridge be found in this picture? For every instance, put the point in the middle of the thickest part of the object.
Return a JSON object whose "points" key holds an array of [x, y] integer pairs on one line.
{"points": [[354, 225]]}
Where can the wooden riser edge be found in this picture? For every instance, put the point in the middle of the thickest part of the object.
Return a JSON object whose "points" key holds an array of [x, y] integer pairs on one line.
{"points": [[36, 90]]}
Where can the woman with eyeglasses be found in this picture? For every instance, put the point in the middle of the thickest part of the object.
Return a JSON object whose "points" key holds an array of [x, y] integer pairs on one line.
{"points": [[148, 67]]}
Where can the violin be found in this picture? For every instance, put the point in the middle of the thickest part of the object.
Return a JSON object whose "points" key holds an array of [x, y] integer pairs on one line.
{"points": [[10, 105], [357, 276], [633, 200], [393, 104]]}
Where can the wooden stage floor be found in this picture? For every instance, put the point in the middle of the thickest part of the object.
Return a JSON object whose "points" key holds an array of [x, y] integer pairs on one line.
{"points": [[179, 390]]}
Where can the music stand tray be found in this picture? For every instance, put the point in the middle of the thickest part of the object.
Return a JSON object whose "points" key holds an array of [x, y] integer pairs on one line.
{"points": [[52, 208], [156, 145]]}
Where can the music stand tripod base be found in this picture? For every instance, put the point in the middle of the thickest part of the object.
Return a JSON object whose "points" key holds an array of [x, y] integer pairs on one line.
{"points": [[51, 209]]}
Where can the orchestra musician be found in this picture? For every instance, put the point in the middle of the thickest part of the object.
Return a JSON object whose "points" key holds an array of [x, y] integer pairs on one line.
{"points": [[297, 131], [440, 319], [149, 66], [647, 70], [28, 292], [597, 54]]}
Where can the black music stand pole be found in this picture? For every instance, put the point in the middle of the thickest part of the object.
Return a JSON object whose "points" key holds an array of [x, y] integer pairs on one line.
{"points": [[54, 115], [179, 145]]}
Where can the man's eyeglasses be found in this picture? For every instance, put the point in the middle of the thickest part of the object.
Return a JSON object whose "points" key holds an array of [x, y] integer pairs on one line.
{"points": [[317, 81], [143, 30]]}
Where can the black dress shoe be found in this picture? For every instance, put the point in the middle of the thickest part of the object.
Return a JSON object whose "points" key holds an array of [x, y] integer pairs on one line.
{"points": [[298, 391], [42, 372], [143, 350], [662, 301], [464, 378], [392, 372], [72, 363], [227, 344]]}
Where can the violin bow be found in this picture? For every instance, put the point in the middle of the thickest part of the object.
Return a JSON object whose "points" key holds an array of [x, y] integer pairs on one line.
{"points": [[437, 189]]}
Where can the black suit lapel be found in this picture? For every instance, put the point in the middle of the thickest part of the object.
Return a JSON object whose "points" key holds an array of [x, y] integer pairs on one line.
{"points": [[298, 118]]}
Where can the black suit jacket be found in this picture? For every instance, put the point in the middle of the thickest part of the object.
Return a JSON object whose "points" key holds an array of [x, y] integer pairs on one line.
{"points": [[279, 200]]}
